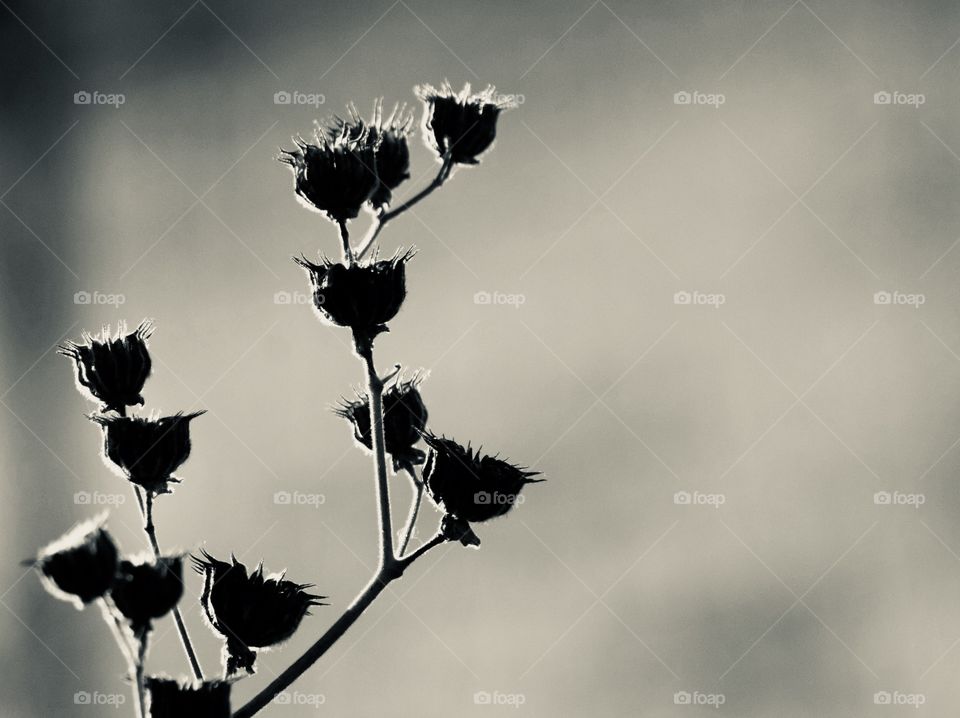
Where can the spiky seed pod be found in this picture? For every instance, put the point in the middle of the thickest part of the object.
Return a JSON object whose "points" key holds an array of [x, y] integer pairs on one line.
{"points": [[469, 485], [335, 176], [404, 420], [147, 450], [250, 611], [80, 566], [362, 296], [112, 368], [460, 124], [169, 698], [390, 138], [147, 589]]}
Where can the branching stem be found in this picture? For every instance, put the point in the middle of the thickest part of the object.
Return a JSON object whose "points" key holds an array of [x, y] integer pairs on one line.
{"points": [[407, 531], [383, 217], [146, 510]]}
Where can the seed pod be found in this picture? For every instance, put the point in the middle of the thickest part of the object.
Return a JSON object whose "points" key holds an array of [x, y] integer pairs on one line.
{"points": [[249, 611], [469, 485], [80, 566], [404, 420], [362, 296], [389, 136], [460, 125], [147, 450], [148, 589], [169, 698], [112, 369], [335, 176]]}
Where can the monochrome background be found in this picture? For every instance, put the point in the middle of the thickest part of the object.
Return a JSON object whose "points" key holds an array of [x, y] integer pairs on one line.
{"points": [[785, 397]]}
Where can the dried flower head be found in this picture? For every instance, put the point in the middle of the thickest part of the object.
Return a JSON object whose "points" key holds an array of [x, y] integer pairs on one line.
{"points": [[169, 698], [469, 485], [80, 566], [147, 450], [112, 368], [460, 125], [250, 611], [363, 296], [404, 419], [147, 588], [336, 175], [390, 139]]}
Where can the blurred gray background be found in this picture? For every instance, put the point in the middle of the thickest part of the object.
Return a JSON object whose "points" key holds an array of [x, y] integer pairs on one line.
{"points": [[714, 529]]}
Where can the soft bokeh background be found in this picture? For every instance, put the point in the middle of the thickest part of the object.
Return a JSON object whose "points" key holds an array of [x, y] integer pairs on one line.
{"points": [[793, 402]]}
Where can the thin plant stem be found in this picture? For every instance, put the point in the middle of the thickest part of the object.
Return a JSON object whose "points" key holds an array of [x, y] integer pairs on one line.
{"points": [[407, 531], [345, 243], [117, 629], [375, 394], [383, 217], [151, 531], [374, 588], [141, 659]]}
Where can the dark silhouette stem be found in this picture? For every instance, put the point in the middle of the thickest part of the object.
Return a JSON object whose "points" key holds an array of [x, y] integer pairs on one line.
{"points": [[146, 509], [142, 639], [345, 243], [407, 531], [377, 584], [385, 217]]}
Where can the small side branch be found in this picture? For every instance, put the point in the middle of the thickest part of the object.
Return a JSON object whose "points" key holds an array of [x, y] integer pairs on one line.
{"points": [[442, 176]]}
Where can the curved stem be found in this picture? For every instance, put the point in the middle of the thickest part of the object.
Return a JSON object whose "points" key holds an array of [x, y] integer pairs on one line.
{"points": [[445, 168], [146, 510], [407, 531], [117, 630]]}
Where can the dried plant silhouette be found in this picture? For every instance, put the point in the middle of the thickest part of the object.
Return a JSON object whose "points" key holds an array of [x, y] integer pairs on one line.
{"points": [[351, 166]]}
